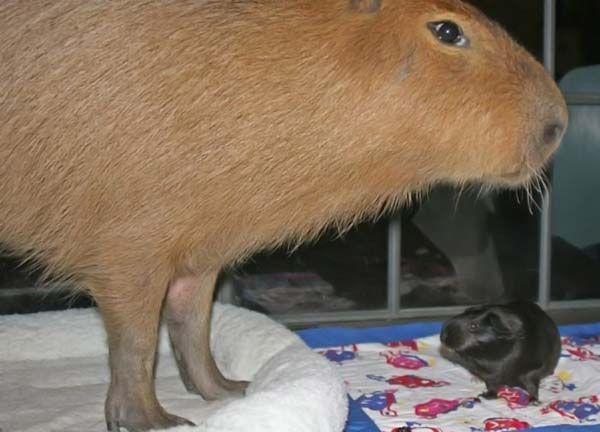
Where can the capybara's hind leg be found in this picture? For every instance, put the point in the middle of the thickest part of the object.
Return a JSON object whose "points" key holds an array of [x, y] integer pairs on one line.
{"points": [[188, 311], [132, 319]]}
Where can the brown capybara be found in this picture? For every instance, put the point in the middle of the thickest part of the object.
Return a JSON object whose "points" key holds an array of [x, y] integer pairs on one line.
{"points": [[146, 145]]}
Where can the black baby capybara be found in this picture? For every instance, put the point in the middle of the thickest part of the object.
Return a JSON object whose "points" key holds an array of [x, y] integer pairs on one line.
{"points": [[512, 344]]}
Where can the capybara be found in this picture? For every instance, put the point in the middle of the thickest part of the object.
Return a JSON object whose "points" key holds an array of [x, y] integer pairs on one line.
{"points": [[510, 344], [147, 145]]}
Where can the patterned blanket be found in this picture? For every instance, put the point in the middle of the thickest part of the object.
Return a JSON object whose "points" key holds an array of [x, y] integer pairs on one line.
{"points": [[406, 385]]}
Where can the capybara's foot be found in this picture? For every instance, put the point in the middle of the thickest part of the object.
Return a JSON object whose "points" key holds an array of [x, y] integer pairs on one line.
{"points": [[188, 310], [134, 418], [198, 371], [213, 388]]}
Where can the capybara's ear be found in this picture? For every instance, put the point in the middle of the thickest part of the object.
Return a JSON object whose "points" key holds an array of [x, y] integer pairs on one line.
{"points": [[365, 6]]}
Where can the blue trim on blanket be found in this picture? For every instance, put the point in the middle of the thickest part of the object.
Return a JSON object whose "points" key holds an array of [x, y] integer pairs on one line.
{"points": [[337, 336], [358, 420]]}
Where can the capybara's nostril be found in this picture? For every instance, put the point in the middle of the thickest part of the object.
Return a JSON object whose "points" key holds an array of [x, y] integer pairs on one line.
{"points": [[553, 132]]}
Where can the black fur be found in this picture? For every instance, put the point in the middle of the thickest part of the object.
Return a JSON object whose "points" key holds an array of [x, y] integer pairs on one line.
{"points": [[512, 344]]}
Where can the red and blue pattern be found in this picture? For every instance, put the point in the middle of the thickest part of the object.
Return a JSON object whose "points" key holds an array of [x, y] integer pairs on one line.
{"points": [[405, 385]]}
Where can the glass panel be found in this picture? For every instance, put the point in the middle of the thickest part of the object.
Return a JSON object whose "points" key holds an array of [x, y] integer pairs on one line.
{"points": [[576, 200], [21, 293], [348, 273], [469, 249], [577, 36]]}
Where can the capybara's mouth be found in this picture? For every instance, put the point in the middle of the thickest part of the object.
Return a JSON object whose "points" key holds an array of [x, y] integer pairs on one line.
{"points": [[516, 179], [527, 172], [510, 181], [523, 176]]}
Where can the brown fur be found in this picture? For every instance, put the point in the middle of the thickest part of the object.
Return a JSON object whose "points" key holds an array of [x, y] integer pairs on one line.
{"points": [[148, 145]]}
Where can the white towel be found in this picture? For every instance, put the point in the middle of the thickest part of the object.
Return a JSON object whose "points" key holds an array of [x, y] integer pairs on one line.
{"points": [[54, 376]]}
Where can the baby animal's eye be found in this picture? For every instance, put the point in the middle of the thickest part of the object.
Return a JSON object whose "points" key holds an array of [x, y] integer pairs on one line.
{"points": [[449, 33], [473, 326]]}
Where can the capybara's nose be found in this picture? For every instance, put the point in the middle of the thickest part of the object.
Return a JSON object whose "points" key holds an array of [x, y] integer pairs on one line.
{"points": [[553, 132]]}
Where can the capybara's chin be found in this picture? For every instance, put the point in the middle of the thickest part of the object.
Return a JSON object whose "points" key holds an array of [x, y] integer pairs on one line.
{"points": [[513, 180], [528, 170]]}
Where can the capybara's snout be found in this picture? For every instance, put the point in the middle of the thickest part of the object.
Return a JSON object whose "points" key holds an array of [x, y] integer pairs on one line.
{"points": [[542, 107], [550, 119]]}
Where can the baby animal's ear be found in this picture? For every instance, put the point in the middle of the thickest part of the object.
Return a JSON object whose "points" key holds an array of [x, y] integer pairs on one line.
{"points": [[506, 326], [365, 6]]}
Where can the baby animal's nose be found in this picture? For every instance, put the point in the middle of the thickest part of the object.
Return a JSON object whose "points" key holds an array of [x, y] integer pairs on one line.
{"points": [[444, 335]]}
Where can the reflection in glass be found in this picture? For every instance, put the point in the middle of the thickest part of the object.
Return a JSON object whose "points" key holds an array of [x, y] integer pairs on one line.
{"points": [[469, 249], [576, 196], [333, 274]]}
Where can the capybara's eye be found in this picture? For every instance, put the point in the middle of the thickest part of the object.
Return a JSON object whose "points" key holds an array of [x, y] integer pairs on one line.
{"points": [[449, 33], [473, 326]]}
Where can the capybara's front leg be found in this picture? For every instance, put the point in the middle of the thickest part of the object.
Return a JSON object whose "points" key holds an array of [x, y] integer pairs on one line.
{"points": [[132, 319], [188, 312]]}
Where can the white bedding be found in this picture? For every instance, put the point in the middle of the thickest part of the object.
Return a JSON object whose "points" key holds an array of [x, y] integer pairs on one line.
{"points": [[54, 376]]}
